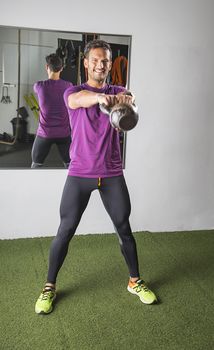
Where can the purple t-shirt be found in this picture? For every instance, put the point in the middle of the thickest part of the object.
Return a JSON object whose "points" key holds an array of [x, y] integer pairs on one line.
{"points": [[53, 116], [95, 147]]}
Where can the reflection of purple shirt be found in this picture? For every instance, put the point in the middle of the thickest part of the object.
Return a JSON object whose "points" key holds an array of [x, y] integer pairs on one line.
{"points": [[95, 147], [53, 116]]}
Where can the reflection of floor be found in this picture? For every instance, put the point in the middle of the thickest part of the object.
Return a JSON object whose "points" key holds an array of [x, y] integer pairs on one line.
{"points": [[19, 156]]}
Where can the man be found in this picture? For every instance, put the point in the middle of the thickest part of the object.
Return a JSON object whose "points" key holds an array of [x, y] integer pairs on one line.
{"points": [[95, 164], [54, 127]]}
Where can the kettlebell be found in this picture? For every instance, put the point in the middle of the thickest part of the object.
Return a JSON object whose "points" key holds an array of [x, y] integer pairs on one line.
{"points": [[122, 116]]}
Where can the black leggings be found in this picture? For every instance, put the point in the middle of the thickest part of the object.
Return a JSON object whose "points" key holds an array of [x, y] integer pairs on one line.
{"points": [[75, 197], [41, 148]]}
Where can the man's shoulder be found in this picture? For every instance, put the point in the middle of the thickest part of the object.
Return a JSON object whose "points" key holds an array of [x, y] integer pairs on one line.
{"points": [[114, 89], [41, 82], [65, 83], [73, 88], [37, 86]]}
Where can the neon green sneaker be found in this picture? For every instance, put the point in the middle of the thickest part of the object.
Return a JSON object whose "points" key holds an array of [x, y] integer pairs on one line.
{"points": [[145, 294], [45, 301]]}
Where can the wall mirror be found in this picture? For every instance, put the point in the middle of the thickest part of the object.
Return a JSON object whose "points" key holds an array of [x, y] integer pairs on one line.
{"points": [[22, 63]]}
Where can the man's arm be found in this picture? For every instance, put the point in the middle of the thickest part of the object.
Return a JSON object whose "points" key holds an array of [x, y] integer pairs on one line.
{"points": [[86, 99], [36, 87], [82, 98]]}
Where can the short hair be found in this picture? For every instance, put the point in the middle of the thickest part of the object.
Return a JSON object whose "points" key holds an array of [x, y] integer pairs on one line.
{"points": [[54, 62], [95, 44]]}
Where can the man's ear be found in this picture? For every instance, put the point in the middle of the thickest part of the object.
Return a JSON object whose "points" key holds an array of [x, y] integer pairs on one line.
{"points": [[85, 62]]}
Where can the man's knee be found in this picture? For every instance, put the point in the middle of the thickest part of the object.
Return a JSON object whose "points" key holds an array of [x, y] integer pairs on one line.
{"points": [[66, 233], [121, 220]]}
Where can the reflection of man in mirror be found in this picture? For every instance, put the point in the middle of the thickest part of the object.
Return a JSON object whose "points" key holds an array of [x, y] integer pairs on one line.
{"points": [[54, 127], [95, 165]]}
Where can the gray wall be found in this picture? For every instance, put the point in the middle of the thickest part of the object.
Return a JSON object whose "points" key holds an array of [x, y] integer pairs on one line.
{"points": [[170, 161]]}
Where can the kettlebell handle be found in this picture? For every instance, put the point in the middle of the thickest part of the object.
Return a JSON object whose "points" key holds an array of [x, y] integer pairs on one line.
{"points": [[105, 109]]}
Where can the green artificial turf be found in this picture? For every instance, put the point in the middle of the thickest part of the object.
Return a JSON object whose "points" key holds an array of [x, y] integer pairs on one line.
{"points": [[94, 310]]}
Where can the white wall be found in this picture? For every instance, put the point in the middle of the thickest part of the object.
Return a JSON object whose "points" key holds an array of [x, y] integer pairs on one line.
{"points": [[170, 162]]}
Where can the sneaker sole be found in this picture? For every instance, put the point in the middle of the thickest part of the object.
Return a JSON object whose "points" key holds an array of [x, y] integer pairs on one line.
{"points": [[143, 300], [43, 312]]}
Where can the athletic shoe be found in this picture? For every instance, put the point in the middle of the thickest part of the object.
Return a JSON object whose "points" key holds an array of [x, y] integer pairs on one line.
{"points": [[45, 301], [145, 294]]}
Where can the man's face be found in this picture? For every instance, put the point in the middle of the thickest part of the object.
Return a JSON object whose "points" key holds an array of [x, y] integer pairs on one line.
{"points": [[98, 63]]}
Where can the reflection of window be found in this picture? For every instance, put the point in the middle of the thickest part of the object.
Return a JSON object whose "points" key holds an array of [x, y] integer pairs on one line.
{"points": [[9, 64], [33, 56]]}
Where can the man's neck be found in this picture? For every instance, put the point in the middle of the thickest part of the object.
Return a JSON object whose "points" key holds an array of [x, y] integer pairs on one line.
{"points": [[96, 84], [54, 76]]}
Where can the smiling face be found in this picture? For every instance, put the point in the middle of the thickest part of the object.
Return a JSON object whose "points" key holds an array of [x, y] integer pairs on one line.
{"points": [[98, 64]]}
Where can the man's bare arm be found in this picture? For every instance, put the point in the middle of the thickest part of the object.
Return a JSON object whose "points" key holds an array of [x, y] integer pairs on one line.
{"points": [[82, 98], [86, 99]]}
